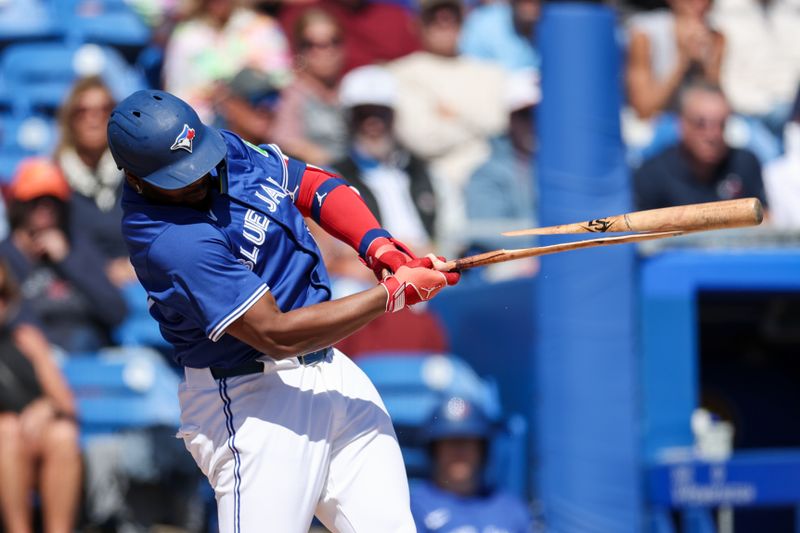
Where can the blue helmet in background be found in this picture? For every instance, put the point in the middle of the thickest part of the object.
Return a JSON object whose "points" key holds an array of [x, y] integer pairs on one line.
{"points": [[458, 417], [159, 138]]}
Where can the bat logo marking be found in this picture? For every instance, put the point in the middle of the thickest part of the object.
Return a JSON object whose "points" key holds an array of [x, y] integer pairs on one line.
{"points": [[598, 225]]}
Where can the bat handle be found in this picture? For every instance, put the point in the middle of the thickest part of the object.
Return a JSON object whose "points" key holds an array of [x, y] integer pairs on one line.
{"points": [[446, 266]]}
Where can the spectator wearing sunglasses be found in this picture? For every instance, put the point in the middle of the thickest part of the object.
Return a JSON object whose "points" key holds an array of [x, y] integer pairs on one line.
{"points": [[309, 122], [702, 166], [83, 157], [373, 32]]}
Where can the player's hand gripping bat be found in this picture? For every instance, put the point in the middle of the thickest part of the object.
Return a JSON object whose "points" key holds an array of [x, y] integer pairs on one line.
{"points": [[647, 225]]}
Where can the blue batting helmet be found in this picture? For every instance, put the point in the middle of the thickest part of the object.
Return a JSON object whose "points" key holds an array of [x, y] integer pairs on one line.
{"points": [[159, 138], [458, 417]]}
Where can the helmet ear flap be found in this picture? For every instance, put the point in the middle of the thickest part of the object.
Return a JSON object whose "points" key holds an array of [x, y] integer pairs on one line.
{"points": [[159, 138]]}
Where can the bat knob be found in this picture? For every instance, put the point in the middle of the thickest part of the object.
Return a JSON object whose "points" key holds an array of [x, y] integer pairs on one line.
{"points": [[441, 266]]}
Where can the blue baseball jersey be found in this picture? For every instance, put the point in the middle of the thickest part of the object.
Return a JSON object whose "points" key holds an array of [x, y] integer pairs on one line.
{"points": [[439, 511], [204, 270]]}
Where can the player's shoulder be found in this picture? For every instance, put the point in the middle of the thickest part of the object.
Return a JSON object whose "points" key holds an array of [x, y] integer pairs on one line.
{"points": [[240, 150], [187, 235], [195, 245], [143, 222]]}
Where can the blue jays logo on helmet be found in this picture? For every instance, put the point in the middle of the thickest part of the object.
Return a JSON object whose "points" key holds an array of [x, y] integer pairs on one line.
{"points": [[143, 126], [184, 139]]}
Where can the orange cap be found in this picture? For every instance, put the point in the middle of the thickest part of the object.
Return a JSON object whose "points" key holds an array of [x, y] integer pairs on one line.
{"points": [[36, 177]]}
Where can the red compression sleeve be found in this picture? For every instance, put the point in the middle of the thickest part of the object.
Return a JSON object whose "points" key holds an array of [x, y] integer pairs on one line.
{"points": [[338, 208]]}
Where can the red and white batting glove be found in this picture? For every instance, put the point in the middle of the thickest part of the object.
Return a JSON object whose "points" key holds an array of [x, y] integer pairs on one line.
{"points": [[387, 254], [414, 282]]}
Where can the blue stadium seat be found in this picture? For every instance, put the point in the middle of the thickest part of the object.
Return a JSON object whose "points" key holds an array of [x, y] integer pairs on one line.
{"points": [[9, 160], [111, 23], [37, 61], [122, 388], [27, 20], [38, 75], [6, 98], [412, 384], [139, 328], [33, 135]]}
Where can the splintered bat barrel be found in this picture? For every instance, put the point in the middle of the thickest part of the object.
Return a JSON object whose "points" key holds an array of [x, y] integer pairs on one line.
{"points": [[501, 256], [648, 225], [694, 217]]}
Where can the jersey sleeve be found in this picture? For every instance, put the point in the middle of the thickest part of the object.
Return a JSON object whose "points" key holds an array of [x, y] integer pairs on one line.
{"points": [[294, 171], [195, 274]]}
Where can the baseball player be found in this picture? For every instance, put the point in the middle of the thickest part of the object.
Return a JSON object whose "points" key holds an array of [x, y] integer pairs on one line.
{"points": [[457, 498], [283, 426]]}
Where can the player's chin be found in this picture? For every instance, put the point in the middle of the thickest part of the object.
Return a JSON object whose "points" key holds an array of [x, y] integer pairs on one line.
{"points": [[198, 197], [199, 202]]}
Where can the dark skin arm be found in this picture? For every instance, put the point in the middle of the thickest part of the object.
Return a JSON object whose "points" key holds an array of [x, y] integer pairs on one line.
{"points": [[307, 329]]}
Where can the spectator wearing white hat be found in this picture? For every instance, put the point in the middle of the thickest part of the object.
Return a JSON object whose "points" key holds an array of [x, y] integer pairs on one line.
{"points": [[393, 183]]}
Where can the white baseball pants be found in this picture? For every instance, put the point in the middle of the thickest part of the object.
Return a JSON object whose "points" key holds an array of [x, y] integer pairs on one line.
{"points": [[294, 441]]}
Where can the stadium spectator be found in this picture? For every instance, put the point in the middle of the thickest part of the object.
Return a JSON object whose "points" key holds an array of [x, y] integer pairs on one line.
{"points": [[761, 67], [782, 177], [96, 182], [702, 167], [372, 31], [457, 497], [394, 184], [61, 273], [502, 32], [669, 49], [217, 40], [38, 434], [246, 105], [448, 107], [309, 124], [500, 194]]}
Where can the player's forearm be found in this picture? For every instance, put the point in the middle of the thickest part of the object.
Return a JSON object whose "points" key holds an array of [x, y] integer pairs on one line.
{"points": [[338, 208], [307, 329]]}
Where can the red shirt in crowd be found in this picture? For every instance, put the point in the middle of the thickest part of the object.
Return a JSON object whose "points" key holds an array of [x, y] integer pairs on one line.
{"points": [[373, 32]]}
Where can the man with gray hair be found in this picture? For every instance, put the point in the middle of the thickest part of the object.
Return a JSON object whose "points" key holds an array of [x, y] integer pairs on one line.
{"points": [[702, 166]]}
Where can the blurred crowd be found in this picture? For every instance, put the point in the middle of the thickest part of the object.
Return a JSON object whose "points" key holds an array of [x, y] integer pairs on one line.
{"points": [[426, 107]]}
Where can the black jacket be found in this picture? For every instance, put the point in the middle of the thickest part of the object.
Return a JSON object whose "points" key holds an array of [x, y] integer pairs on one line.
{"points": [[420, 184]]}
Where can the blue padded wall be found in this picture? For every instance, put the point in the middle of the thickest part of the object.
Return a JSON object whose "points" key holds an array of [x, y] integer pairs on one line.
{"points": [[585, 370]]}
